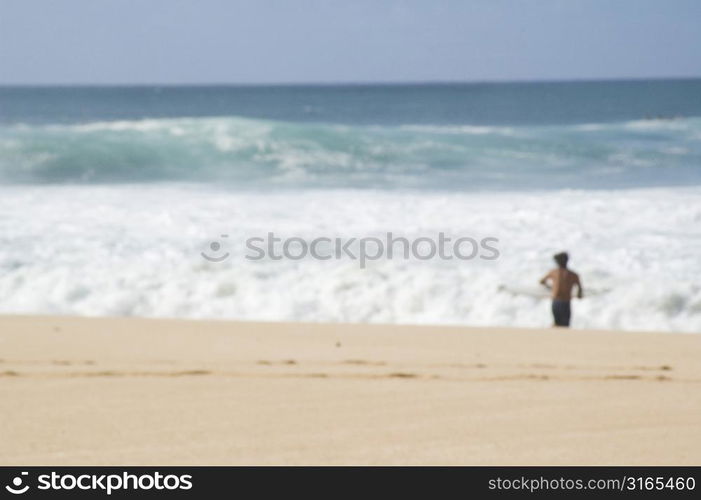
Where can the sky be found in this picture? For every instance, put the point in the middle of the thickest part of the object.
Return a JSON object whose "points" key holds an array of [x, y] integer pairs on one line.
{"points": [[337, 41]]}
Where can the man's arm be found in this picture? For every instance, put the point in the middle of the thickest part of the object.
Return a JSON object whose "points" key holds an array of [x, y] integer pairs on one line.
{"points": [[580, 290], [545, 280]]}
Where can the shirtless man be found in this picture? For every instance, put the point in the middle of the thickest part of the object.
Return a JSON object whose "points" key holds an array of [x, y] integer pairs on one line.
{"points": [[561, 281]]}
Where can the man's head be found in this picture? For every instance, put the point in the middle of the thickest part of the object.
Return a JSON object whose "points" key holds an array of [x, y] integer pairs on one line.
{"points": [[561, 259]]}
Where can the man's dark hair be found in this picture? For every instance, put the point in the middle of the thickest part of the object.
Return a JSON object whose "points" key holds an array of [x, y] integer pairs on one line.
{"points": [[561, 259]]}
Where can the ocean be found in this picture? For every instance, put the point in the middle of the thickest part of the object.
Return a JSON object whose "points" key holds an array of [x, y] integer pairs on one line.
{"points": [[109, 196]]}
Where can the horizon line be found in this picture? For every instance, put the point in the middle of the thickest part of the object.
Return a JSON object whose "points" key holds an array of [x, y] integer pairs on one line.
{"points": [[388, 83]]}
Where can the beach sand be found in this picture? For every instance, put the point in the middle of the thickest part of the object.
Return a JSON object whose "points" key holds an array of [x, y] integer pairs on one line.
{"points": [[143, 391]]}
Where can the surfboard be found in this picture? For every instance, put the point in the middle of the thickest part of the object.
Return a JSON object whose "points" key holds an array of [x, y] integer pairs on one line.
{"points": [[529, 291], [540, 292]]}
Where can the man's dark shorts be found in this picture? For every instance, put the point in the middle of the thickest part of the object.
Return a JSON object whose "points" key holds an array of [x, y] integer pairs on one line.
{"points": [[561, 312]]}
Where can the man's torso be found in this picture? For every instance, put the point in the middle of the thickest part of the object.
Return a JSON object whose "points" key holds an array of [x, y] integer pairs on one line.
{"points": [[563, 281]]}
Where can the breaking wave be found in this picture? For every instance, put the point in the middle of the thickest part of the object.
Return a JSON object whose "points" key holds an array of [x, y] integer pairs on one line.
{"points": [[249, 152]]}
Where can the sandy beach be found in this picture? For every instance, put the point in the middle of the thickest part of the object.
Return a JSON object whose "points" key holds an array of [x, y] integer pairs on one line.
{"points": [[143, 391]]}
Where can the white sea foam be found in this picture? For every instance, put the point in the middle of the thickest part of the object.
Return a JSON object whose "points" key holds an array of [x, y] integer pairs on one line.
{"points": [[135, 250]]}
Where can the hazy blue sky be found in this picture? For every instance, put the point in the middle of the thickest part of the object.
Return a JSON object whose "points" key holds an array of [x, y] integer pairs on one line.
{"points": [[245, 41]]}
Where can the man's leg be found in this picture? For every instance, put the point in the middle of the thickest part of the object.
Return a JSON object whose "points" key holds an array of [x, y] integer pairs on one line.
{"points": [[566, 313], [556, 313]]}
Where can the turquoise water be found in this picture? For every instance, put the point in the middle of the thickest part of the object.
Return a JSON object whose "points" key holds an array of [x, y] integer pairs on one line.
{"points": [[595, 135]]}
